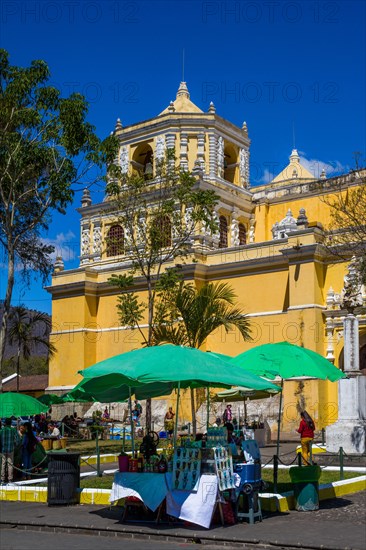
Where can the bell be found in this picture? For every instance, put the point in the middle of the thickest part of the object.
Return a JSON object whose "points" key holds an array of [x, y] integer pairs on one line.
{"points": [[148, 169]]}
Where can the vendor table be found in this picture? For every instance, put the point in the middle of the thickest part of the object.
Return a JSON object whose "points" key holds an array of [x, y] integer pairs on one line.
{"points": [[193, 506]]}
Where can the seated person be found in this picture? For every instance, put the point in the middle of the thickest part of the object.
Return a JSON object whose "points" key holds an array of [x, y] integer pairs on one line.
{"points": [[53, 430], [106, 414], [231, 438]]}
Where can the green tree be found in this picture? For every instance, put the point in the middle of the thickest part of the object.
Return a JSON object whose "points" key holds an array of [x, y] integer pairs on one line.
{"points": [[187, 316], [29, 330], [346, 232], [46, 147], [160, 216]]}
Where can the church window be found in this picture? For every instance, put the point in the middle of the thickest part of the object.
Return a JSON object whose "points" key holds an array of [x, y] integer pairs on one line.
{"points": [[242, 234], [115, 241], [223, 232], [161, 232]]}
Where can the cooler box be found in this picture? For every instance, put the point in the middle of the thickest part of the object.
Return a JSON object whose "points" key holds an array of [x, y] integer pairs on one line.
{"points": [[249, 473]]}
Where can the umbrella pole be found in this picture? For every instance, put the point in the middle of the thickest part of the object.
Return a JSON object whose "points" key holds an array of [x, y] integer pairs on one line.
{"points": [[131, 424], [279, 421], [176, 419], [208, 409], [275, 463]]}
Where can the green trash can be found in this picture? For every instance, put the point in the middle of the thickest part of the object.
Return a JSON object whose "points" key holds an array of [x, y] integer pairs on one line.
{"points": [[305, 480]]}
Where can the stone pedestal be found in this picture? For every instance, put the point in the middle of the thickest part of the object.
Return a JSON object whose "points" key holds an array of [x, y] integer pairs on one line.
{"points": [[349, 431]]}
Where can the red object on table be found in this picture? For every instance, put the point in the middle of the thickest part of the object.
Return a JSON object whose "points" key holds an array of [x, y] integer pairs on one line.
{"points": [[123, 463], [133, 465]]}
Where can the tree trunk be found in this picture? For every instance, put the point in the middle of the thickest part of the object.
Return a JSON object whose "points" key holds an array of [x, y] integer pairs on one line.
{"points": [[18, 369], [193, 410], [150, 320], [4, 322]]}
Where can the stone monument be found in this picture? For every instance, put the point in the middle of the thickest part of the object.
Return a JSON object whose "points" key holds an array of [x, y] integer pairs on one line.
{"points": [[349, 431]]}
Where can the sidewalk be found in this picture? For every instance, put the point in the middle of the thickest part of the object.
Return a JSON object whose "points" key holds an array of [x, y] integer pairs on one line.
{"points": [[338, 525]]}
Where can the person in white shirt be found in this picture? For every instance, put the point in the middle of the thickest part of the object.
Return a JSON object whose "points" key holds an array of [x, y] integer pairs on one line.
{"points": [[53, 431]]}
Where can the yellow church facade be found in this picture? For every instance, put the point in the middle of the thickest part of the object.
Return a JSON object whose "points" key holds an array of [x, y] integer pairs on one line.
{"points": [[269, 248]]}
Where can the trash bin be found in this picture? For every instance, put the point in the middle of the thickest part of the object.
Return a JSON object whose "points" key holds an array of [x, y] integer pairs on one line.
{"points": [[305, 480], [63, 478]]}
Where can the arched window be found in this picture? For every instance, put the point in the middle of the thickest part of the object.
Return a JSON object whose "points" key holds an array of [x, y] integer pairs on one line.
{"points": [[161, 232], [242, 234], [223, 232], [115, 241]]}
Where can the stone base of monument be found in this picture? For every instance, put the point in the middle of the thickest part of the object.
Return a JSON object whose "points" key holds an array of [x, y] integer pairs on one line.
{"points": [[347, 434], [349, 431]]}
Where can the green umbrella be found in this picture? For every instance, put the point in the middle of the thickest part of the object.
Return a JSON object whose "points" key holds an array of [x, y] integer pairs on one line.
{"points": [[286, 361], [77, 396], [51, 399], [240, 393], [19, 404], [157, 370]]}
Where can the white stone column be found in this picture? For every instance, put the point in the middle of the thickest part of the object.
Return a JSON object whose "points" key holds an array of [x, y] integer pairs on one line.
{"points": [[85, 242], [349, 431]]}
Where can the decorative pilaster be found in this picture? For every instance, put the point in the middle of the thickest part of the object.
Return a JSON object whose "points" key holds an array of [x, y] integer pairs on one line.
{"points": [[330, 339], [212, 147], [160, 149], [252, 230], [220, 157], [97, 240], [234, 229], [244, 167], [85, 242], [123, 159], [170, 144], [184, 151], [201, 151]]}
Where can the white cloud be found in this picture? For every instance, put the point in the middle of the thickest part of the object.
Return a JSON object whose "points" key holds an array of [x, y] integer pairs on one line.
{"points": [[66, 246], [315, 166]]}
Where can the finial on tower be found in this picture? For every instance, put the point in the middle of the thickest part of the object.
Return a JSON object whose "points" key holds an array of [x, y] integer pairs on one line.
{"points": [[294, 157], [212, 108], [183, 90], [118, 125], [244, 127], [171, 107]]}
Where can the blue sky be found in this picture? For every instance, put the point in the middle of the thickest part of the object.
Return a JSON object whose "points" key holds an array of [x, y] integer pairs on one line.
{"points": [[278, 65]]}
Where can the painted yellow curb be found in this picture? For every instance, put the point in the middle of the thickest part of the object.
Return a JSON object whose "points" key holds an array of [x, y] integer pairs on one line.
{"points": [[316, 449], [104, 459], [269, 502], [286, 502]]}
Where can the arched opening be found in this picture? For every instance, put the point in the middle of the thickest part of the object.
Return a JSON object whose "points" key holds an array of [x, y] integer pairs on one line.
{"points": [[230, 163], [242, 234], [115, 241], [223, 232], [142, 161], [161, 232]]}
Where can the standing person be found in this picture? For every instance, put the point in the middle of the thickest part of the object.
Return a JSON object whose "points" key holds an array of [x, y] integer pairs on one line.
{"points": [[306, 431], [169, 422], [9, 439], [138, 408], [227, 417], [29, 444]]}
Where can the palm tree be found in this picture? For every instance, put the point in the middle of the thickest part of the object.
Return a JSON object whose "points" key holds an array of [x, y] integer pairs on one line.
{"points": [[190, 315], [28, 330]]}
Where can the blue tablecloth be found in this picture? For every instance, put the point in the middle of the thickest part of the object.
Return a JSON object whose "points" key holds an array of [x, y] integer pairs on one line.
{"points": [[193, 506], [150, 488]]}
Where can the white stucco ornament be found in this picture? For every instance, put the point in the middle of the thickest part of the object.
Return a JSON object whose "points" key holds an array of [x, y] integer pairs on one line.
{"points": [[160, 148], [220, 155], [244, 166], [123, 159], [85, 242], [97, 240]]}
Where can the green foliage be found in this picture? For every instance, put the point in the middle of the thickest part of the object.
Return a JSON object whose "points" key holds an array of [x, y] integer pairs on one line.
{"points": [[46, 147], [160, 217], [27, 367], [189, 315]]}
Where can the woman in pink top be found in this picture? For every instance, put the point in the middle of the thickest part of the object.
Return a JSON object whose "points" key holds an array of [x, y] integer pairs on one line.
{"points": [[306, 431]]}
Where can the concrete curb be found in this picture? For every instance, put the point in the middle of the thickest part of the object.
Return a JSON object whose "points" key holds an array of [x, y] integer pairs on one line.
{"points": [[270, 502]]}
